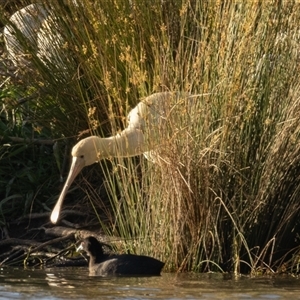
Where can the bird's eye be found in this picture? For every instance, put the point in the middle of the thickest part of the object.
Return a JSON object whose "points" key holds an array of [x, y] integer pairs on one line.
{"points": [[81, 156]]}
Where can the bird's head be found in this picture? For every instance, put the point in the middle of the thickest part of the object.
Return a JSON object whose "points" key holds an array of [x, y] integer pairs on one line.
{"points": [[86, 151]]}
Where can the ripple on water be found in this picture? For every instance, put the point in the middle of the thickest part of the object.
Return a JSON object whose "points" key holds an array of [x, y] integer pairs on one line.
{"points": [[74, 283]]}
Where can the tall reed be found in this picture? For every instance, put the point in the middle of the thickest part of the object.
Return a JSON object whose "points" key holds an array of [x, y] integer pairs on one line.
{"points": [[224, 195]]}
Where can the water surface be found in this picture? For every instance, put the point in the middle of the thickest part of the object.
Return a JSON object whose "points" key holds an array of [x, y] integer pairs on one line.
{"points": [[74, 283]]}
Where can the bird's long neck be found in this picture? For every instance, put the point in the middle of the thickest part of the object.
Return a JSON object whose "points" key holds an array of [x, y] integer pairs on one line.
{"points": [[129, 142]]}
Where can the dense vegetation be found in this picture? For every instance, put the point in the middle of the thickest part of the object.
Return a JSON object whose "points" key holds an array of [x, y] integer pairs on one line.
{"points": [[227, 196]]}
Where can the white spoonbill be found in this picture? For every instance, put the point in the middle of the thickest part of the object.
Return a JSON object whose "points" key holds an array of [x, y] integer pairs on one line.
{"points": [[142, 134]]}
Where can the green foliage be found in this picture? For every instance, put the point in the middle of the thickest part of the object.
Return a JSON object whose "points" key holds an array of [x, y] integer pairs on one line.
{"points": [[27, 168], [226, 194]]}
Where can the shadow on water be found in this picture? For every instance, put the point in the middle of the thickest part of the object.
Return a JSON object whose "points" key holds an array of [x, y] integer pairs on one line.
{"points": [[73, 283]]}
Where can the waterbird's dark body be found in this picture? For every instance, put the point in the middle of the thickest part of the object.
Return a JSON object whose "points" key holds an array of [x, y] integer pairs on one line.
{"points": [[102, 264]]}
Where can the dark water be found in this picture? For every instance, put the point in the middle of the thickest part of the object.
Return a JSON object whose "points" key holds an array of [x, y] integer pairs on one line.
{"points": [[76, 284]]}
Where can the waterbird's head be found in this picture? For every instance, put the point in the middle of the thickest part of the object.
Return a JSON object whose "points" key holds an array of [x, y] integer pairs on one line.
{"points": [[86, 151]]}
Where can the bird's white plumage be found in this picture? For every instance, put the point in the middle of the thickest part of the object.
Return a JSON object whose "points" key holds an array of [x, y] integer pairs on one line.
{"points": [[143, 135]]}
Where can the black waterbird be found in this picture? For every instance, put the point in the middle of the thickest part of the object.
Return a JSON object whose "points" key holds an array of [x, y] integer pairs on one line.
{"points": [[102, 264]]}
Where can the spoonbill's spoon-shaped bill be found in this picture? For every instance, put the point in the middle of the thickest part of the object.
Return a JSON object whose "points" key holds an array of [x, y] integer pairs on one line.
{"points": [[76, 166]]}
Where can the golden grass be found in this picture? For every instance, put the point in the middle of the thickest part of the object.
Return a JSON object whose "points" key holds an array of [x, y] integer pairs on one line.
{"points": [[226, 195]]}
